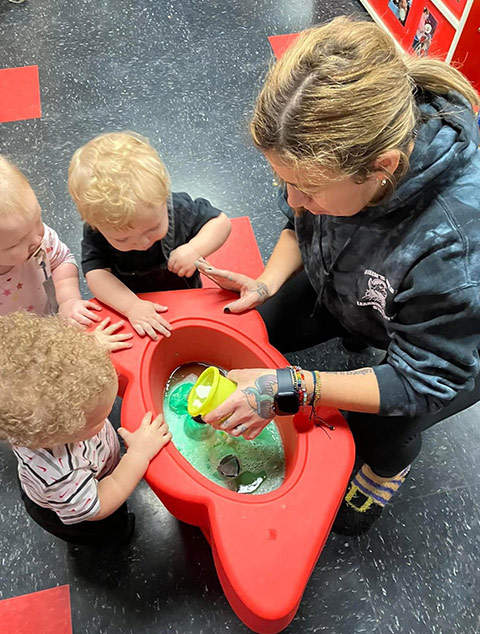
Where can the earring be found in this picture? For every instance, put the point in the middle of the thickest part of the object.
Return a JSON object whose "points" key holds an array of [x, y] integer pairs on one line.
{"points": [[383, 182]]}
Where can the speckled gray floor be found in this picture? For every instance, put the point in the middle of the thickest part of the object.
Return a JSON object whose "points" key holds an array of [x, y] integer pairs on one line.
{"points": [[185, 73]]}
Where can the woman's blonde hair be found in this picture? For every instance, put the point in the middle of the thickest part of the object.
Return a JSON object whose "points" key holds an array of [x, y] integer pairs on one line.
{"points": [[342, 96], [51, 374], [112, 174], [13, 186]]}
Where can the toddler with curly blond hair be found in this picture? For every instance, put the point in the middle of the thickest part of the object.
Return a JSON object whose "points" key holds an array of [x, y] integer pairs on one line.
{"points": [[138, 236], [58, 386]]}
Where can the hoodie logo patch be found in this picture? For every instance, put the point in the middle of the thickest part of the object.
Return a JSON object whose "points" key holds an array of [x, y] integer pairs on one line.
{"points": [[377, 290]]}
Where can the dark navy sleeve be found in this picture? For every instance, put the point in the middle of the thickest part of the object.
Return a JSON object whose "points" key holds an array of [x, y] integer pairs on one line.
{"points": [[433, 353], [285, 208], [95, 250], [191, 214]]}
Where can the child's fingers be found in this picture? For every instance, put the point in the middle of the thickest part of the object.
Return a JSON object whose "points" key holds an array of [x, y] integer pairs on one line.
{"points": [[146, 420], [161, 321], [124, 434], [120, 345], [158, 420], [123, 337], [93, 306], [86, 312], [163, 328], [150, 331], [172, 266], [163, 429], [84, 320], [114, 327], [159, 308], [103, 325], [139, 329]]}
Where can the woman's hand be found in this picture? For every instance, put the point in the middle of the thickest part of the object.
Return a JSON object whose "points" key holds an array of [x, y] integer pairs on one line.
{"points": [[250, 407], [252, 292]]}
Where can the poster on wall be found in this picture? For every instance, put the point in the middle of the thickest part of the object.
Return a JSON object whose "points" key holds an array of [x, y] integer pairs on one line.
{"points": [[400, 9], [424, 34], [417, 25]]}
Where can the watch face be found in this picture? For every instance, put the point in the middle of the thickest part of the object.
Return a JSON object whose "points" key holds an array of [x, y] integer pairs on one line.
{"points": [[286, 403]]}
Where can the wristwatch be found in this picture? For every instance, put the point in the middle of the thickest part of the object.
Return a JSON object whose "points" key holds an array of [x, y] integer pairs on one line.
{"points": [[286, 401]]}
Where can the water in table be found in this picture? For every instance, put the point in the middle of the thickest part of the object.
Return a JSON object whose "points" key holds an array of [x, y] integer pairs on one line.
{"points": [[245, 466]]}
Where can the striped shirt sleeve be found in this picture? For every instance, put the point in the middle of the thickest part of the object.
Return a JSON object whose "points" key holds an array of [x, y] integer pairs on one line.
{"points": [[65, 478]]}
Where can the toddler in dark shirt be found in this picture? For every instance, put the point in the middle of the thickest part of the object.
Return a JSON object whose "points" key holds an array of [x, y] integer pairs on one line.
{"points": [[138, 236]]}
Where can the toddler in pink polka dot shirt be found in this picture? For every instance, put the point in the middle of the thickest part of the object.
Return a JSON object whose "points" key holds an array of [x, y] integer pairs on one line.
{"points": [[37, 271]]}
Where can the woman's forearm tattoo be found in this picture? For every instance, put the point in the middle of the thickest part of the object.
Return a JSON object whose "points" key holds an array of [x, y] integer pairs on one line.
{"points": [[260, 397]]}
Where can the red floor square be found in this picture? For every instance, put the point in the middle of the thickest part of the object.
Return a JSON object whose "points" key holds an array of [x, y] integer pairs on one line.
{"points": [[280, 43], [45, 612], [19, 94]]}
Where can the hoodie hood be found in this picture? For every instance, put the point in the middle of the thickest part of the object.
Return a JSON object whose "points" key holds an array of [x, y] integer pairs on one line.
{"points": [[446, 140]]}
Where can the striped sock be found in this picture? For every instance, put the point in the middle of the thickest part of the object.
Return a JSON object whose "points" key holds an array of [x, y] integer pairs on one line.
{"points": [[377, 490]]}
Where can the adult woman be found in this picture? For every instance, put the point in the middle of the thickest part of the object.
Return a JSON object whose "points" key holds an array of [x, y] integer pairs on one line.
{"points": [[377, 151]]}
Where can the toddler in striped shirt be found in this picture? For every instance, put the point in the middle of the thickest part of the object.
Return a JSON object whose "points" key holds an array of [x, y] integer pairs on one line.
{"points": [[57, 387]]}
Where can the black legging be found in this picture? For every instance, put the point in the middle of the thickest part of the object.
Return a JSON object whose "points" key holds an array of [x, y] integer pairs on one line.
{"points": [[111, 531], [387, 444]]}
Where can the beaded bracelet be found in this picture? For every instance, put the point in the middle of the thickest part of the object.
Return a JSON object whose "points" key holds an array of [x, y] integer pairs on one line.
{"points": [[299, 381], [318, 387], [312, 400]]}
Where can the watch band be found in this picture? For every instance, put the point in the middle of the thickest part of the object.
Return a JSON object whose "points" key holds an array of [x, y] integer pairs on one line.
{"points": [[286, 400], [285, 382]]}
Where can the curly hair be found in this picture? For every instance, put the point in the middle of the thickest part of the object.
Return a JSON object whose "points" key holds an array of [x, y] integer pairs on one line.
{"points": [[114, 173], [51, 374], [13, 185]]}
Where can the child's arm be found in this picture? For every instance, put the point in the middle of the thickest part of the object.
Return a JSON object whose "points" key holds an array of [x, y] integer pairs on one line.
{"points": [[67, 292], [210, 238], [143, 445], [142, 314]]}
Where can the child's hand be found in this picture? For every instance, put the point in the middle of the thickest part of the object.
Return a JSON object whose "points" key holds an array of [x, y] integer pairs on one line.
{"points": [[149, 438], [144, 317], [80, 311], [182, 260], [105, 336]]}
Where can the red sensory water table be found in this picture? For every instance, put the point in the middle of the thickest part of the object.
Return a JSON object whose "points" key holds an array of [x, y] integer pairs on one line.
{"points": [[264, 546]]}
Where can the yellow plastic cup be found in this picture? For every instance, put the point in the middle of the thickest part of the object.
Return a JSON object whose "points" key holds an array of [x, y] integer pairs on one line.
{"points": [[210, 390]]}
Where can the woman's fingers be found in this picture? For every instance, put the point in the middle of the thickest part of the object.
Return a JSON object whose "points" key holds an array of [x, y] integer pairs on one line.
{"points": [[247, 302], [229, 280]]}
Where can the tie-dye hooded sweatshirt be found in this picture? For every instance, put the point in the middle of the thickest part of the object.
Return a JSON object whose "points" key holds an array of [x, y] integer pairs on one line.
{"points": [[404, 275]]}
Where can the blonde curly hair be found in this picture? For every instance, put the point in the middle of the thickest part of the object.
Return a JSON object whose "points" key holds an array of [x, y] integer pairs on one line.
{"points": [[51, 374], [13, 185], [114, 173]]}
